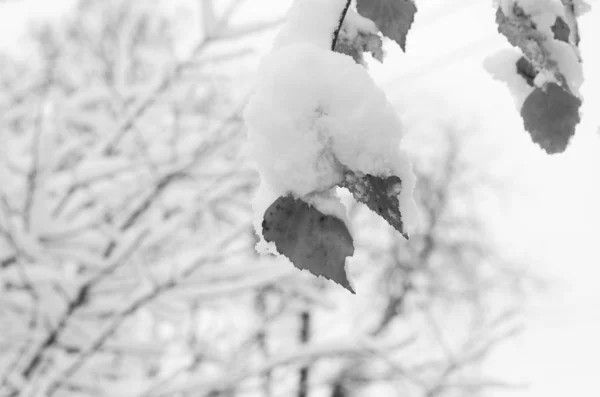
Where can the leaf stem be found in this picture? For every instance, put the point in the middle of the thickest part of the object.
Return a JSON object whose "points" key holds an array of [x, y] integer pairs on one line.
{"points": [[336, 33]]}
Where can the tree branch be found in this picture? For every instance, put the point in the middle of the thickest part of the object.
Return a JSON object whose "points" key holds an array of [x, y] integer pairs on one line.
{"points": [[336, 33], [304, 339]]}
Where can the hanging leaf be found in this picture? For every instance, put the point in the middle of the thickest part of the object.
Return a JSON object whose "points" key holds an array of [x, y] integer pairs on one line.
{"points": [[320, 243], [551, 112], [310, 239], [394, 18], [380, 195], [550, 116]]}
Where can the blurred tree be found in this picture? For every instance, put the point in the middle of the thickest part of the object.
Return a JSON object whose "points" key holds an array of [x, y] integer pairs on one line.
{"points": [[126, 249]]}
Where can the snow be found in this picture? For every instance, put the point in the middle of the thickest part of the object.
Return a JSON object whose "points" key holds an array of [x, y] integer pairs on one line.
{"points": [[307, 125], [329, 203], [326, 122], [544, 13], [354, 23], [501, 66], [533, 7], [324, 16], [568, 64]]}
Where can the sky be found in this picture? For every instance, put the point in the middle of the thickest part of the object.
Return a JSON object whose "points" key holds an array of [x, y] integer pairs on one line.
{"points": [[548, 221]]}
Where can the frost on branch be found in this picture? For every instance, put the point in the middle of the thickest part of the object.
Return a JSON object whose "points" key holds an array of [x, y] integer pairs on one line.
{"points": [[393, 17], [546, 32], [315, 118]]}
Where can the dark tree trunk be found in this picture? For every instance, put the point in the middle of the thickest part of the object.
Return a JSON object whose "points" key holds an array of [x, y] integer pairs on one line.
{"points": [[304, 338]]}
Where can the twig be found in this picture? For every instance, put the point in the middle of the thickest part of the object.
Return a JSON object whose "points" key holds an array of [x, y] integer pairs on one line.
{"points": [[336, 33], [134, 306], [308, 353], [32, 175], [80, 300], [304, 339]]}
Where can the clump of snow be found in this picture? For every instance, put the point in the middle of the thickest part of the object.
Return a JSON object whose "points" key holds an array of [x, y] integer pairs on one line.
{"points": [[263, 198], [568, 63], [311, 21], [502, 66], [316, 113], [563, 57], [544, 77], [329, 203], [544, 14], [354, 23], [581, 7], [536, 7]]}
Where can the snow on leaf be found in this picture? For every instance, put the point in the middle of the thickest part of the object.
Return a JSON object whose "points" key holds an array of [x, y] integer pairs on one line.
{"points": [[547, 34], [521, 32], [550, 116], [393, 17], [357, 36], [310, 239], [360, 43], [379, 194]]}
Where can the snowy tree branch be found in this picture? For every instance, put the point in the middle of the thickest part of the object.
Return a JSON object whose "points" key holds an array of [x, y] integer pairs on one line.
{"points": [[336, 33]]}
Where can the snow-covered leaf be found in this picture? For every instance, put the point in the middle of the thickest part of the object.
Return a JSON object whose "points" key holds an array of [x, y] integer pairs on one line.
{"points": [[521, 31], [380, 195], [305, 143], [310, 239], [360, 43], [547, 34], [551, 115], [393, 17]]}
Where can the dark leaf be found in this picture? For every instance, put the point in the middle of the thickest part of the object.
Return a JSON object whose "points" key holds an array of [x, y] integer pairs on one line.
{"points": [[380, 195], [311, 240], [561, 30], [551, 115], [393, 17], [526, 70], [518, 28]]}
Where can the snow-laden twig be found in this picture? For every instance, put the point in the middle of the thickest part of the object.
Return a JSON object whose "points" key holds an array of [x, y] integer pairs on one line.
{"points": [[308, 353]]}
